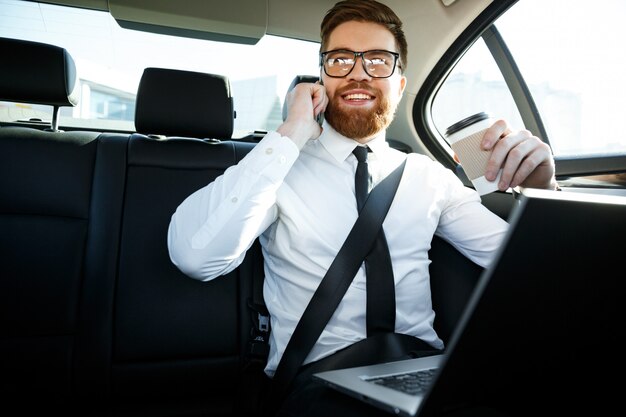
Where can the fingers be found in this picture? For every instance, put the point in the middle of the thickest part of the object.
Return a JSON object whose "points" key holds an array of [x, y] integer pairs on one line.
{"points": [[521, 156], [499, 129], [505, 150], [320, 100], [522, 161], [536, 169], [306, 98], [304, 102]]}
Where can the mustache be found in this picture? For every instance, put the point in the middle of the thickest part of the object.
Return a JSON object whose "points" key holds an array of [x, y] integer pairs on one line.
{"points": [[358, 85]]}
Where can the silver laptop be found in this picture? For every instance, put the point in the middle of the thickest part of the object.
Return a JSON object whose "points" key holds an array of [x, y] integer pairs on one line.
{"points": [[550, 298], [366, 383]]}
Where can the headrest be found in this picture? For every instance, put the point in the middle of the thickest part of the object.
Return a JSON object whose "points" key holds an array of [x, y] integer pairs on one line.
{"points": [[184, 103], [297, 80], [37, 73]]}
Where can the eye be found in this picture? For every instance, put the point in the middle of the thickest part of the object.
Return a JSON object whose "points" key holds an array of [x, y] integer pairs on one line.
{"points": [[340, 61], [376, 61], [379, 58], [340, 58]]}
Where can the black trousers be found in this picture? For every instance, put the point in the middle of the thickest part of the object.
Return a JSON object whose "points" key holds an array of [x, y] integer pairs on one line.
{"points": [[309, 398]]}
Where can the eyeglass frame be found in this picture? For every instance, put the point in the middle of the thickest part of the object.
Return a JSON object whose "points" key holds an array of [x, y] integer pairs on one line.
{"points": [[357, 54]]}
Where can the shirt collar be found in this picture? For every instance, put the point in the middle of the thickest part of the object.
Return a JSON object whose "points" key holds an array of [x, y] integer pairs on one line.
{"points": [[340, 147]]}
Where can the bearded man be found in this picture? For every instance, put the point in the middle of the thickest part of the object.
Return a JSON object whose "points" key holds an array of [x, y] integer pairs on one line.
{"points": [[295, 191]]}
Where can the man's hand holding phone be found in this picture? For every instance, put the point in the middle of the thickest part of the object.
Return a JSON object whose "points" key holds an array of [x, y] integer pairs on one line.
{"points": [[306, 103]]}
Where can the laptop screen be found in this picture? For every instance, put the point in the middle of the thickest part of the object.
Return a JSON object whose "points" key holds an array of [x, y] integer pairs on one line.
{"points": [[541, 330]]}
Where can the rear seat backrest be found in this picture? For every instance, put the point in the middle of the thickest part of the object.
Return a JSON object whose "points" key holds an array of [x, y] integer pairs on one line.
{"points": [[46, 185], [92, 308], [453, 278], [174, 336]]}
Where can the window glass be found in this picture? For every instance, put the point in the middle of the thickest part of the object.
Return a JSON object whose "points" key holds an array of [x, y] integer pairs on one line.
{"points": [[570, 55], [474, 85], [110, 61]]}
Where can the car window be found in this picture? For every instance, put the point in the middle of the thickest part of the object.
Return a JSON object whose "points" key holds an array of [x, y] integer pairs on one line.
{"points": [[572, 63], [475, 85], [110, 61]]}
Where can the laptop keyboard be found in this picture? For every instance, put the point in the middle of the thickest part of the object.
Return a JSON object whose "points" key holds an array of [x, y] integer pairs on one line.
{"points": [[412, 383]]}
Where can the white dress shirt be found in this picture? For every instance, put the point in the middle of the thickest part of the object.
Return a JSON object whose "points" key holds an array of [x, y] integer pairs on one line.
{"points": [[302, 205]]}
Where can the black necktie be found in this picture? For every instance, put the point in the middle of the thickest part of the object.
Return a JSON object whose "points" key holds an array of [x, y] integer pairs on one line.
{"points": [[381, 296]]}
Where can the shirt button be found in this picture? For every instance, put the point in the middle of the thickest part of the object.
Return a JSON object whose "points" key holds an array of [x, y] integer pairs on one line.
{"points": [[269, 151], [234, 199], [282, 159]]}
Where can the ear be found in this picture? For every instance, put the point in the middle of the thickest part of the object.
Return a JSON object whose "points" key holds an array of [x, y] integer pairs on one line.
{"points": [[402, 86]]}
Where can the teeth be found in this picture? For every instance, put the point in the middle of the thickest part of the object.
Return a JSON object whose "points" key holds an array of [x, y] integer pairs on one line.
{"points": [[358, 97]]}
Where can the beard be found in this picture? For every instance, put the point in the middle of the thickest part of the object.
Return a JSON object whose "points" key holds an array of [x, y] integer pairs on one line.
{"points": [[359, 123]]}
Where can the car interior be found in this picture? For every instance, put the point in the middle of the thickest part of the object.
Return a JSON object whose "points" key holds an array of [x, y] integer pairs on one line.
{"points": [[95, 319]]}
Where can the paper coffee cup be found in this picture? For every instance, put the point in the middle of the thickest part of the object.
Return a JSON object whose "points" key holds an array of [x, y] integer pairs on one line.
{"points": [[464, 138]]}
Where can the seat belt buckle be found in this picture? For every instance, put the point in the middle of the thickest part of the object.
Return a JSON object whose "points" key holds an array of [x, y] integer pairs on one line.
{"points": [[264, 323], [258, 345]]}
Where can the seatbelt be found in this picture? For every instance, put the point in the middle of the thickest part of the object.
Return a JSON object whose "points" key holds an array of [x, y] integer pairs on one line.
{"points": [[335, 283], [258, 347], [253, 383]]}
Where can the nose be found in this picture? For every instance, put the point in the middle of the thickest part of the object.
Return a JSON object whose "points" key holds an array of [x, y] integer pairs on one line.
{"points": [[358, 73]]}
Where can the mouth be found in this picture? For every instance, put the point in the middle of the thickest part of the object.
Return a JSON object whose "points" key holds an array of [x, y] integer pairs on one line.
{"points": [[358, 97]]}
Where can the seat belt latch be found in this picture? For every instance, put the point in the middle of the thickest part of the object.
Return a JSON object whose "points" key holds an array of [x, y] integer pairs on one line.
{"points": [[264, 323]]}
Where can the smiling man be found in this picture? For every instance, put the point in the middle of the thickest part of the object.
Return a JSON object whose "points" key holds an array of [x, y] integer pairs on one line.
{"points": [[295, 191]]}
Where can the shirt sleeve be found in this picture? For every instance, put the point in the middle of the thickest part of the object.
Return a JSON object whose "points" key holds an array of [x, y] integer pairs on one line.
{"points": [[212, 229], [468, 225]]}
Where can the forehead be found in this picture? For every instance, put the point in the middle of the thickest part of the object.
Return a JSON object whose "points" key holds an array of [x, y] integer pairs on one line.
{"points": [[361, 36]]}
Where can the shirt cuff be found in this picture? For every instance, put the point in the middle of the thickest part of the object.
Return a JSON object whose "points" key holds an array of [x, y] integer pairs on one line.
{"points": [[272, 157]]}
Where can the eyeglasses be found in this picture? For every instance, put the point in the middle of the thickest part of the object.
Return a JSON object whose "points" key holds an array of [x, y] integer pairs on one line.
{"points": [[377, 63]]}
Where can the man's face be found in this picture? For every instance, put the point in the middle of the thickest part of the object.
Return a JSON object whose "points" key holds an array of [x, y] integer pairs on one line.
{"points": [[361, 106]]}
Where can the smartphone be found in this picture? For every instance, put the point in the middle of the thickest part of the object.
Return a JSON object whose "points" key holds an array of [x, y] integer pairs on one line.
{"points": [[320, 117]]}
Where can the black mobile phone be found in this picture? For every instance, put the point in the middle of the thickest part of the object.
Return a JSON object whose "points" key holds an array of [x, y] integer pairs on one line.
{"points": [[320, 117]]}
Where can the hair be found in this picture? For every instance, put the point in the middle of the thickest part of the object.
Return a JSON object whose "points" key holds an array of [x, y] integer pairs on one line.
{"points": [[365, 11]]}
